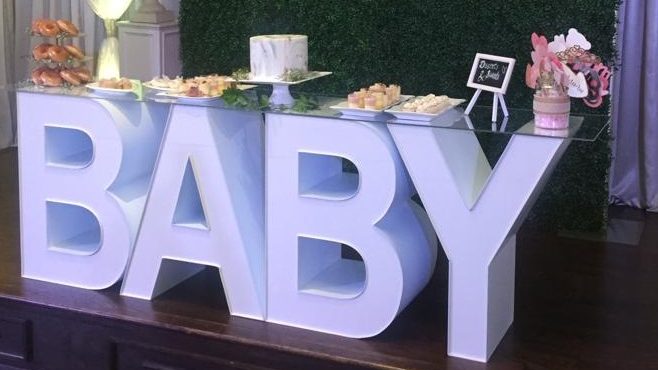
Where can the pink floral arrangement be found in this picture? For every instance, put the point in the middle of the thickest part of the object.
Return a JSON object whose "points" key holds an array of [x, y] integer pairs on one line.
{"points": [[566, 66], [546, 75]]}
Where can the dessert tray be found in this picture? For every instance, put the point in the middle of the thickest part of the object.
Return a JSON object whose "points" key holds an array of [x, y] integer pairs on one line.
{"points": [[184, 98], [108, 91], [171, 93], [345, 109], [149, 85], [261, 81], [422, 116], [280, 89]]}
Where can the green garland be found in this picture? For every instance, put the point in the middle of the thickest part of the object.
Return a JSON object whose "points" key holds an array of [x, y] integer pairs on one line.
{"points": [[425, 46]]}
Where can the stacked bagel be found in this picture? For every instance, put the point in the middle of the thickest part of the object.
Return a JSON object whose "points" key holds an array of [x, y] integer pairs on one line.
{"points": [[58, 63], [54, 28]]}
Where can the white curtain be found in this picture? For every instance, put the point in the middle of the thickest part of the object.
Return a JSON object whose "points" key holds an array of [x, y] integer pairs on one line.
{"points": [[17, 45], [173, 5], [7, 101], [634, 171]]}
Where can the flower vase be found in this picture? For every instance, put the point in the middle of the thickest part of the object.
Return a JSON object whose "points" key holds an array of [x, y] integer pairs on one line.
{"points": [[551, 112]]}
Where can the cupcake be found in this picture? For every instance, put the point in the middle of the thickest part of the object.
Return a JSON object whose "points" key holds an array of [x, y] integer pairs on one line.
{"points": [[393, 92], [353, 100], [378, 87], [370, 102], [380, 100]]}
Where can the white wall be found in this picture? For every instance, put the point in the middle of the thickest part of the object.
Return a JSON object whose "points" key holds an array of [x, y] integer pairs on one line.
{"points": [[173, 5], [6, 66]]}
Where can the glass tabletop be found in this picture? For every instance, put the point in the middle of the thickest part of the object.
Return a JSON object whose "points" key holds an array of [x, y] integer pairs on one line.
{"points": [[582, 127]]}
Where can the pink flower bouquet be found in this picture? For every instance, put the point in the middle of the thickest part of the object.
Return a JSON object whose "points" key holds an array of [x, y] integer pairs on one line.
{"points": [[566, 66]]}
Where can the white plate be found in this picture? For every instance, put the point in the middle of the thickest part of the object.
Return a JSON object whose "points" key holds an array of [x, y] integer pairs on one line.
{"points": [[279, 82], [159, 88], [344, 108], [182, 97], [106, 90], [417, 116], [185, 98]]}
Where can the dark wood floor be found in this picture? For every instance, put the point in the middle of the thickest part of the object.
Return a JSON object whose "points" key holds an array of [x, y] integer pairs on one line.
{"points": [[579, 305]]}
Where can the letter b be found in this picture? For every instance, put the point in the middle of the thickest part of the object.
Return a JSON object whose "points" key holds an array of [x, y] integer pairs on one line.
{"points": [[314, 207]]}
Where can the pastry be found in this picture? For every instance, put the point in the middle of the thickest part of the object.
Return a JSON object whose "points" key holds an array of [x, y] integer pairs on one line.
{"points": [[353, 100], [125, 84], [108, 83], [393, 92], [36, 24], [427, 104], [378, 87], [210, 85], [51, 77], [36, 75], [70, 77], [40, 51], [48, 28], [377, 96], [380, 100], [370, 102], [75, 51], [165, 82], [83, 74], [58, 54], [116, 83], [67, 27]]}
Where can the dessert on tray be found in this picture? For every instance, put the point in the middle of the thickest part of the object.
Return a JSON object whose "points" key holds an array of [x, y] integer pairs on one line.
{"points": [[427, 104], [377, 96], [165, 83], [271, 56], [115, 83], [427, 108], [205, 86], [200, 86]]}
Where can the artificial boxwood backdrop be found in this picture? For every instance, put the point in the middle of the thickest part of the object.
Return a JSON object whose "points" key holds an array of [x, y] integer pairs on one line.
{"points": [[426, 47]]}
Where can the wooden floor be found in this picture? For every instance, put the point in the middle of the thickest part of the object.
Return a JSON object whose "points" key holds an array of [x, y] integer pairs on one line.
{"points": [[579, 305]]}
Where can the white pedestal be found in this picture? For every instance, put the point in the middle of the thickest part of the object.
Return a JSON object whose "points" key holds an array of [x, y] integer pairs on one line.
{"points": [[149, 50]]}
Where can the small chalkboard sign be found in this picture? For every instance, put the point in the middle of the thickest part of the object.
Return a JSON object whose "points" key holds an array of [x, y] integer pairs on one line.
{"points": [[491, 73]]}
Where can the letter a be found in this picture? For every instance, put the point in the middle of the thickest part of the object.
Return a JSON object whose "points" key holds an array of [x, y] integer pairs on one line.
{"points": [[205, 207]]}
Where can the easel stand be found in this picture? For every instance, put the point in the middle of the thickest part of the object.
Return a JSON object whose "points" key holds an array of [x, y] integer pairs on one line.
{"points": [[496, 98]]}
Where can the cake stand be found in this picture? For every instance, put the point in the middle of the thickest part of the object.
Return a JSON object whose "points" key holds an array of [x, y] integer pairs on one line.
{"points": [[281, 89]]}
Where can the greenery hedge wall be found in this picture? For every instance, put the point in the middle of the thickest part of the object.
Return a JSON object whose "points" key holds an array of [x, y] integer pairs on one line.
{"points": [[425, 46]]}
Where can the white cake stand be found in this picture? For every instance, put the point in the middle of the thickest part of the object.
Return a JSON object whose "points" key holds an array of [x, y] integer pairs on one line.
{"points": [[281, 89]]}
